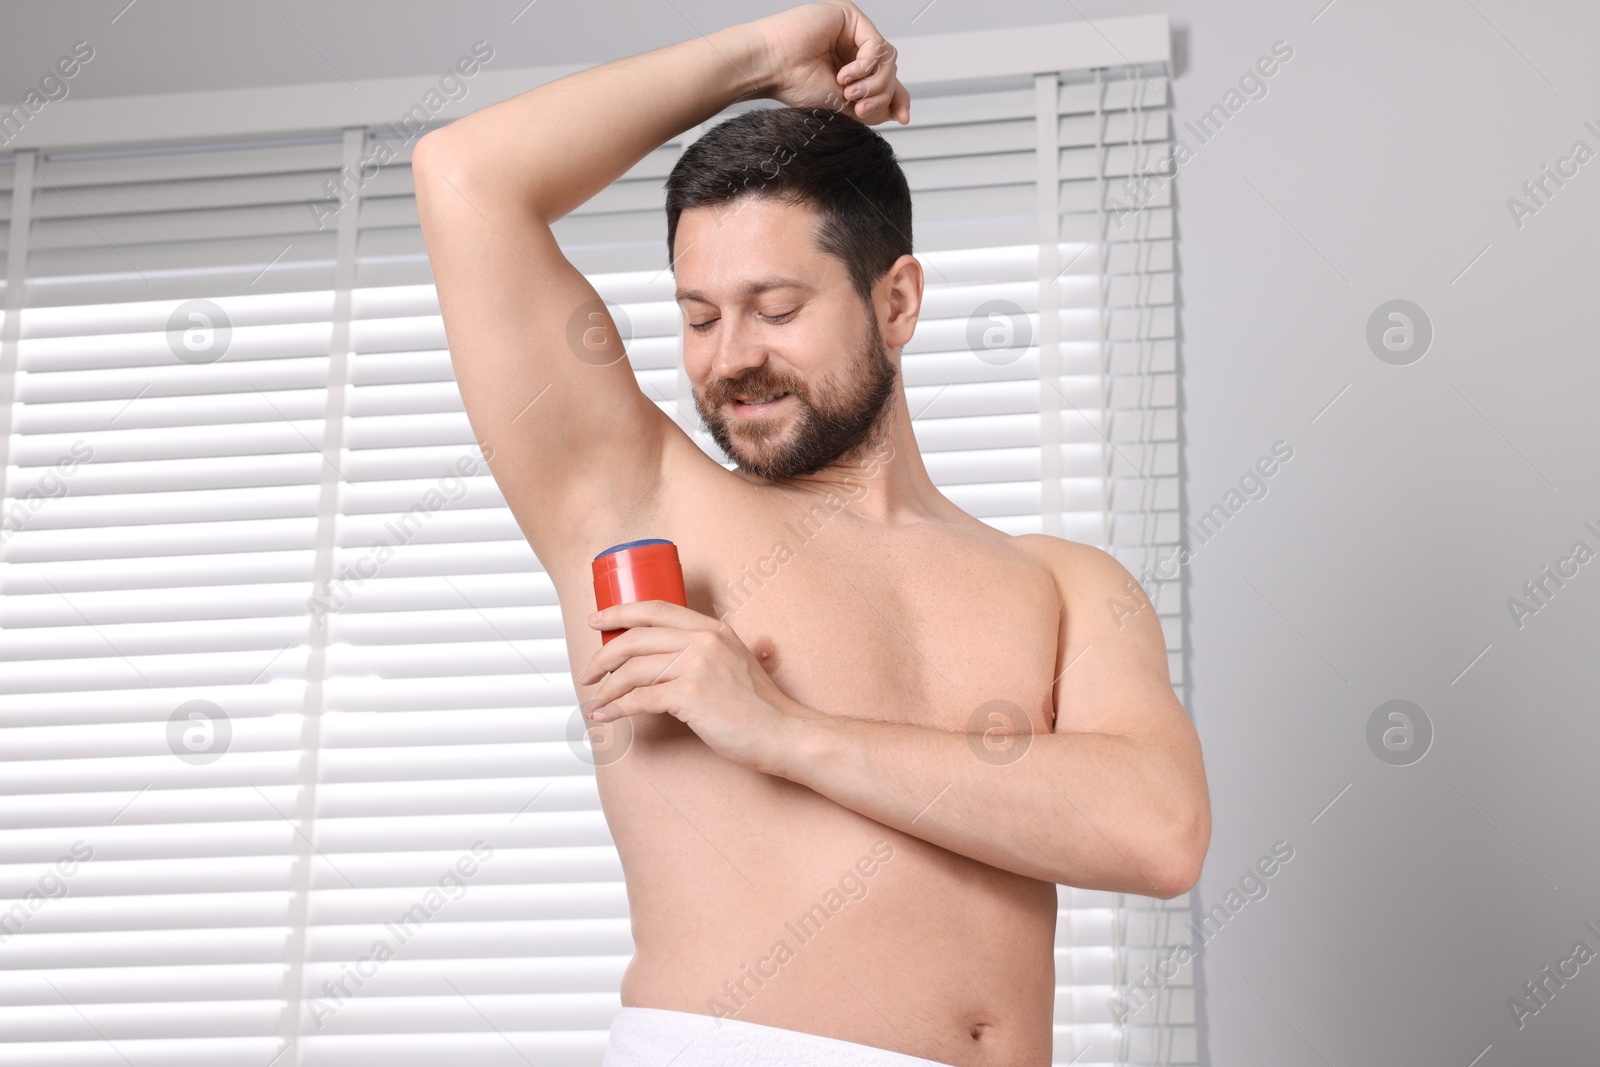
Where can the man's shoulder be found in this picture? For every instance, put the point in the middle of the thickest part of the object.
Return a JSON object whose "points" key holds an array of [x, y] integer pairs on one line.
{"points": [[1073, 561], [1082, 572]]}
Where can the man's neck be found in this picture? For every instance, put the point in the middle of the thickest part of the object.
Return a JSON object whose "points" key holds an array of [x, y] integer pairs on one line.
{"points": [[888, 467]]}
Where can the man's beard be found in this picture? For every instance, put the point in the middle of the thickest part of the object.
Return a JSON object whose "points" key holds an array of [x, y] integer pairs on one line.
{"points": [[833, 422]]}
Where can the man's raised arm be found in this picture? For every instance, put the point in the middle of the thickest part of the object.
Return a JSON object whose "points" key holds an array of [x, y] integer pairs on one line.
{"points": [[576, 445]]}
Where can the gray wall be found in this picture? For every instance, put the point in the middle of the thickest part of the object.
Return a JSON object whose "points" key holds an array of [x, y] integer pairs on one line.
{"points": [[1377, 167]]}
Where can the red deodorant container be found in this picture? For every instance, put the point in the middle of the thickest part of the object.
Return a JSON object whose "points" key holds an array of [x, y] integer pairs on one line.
{"points": [[635, 571]]}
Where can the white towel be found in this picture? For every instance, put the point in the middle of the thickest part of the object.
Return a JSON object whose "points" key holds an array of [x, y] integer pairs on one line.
{"points": [[655, 1037]]}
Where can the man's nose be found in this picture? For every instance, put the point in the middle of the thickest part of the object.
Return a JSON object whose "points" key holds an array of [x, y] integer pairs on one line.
{"points": [[739, 349]]}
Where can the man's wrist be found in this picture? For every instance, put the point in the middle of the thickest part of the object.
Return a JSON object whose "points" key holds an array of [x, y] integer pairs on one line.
{"points": [[746, 47], [802, 741]]}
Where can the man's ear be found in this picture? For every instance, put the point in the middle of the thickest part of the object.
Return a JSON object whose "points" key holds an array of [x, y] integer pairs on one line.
{"points": [[901, 302]]}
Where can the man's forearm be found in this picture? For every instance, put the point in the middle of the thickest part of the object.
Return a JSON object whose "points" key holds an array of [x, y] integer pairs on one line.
{"points": [[554, 147], [1099, 811]]}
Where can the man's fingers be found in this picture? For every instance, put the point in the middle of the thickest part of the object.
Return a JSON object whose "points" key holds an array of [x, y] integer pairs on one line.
{"points": [[870, 109], [868, 82], [880, 81], [900, 104], [637, 641], [651, 613], [638, 673], [872, 54], [871, 79], [871, 51], [876, 61], [880, 105]]}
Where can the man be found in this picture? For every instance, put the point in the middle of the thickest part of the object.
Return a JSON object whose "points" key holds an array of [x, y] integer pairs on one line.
{"points": [[845, 781]]}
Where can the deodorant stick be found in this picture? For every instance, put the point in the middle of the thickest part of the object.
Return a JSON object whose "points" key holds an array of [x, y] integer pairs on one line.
{"points": [[635, 571]]}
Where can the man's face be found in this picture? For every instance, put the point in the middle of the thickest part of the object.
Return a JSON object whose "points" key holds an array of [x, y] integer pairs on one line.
{"points": [[769, 315]]}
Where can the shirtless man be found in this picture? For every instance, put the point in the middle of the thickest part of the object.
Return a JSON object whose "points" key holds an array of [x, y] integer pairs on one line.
{"points": [[845, 781]]}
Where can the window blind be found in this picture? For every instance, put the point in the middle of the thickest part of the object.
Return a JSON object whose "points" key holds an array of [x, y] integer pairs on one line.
{"points": [[173, 334], [274, 654]]}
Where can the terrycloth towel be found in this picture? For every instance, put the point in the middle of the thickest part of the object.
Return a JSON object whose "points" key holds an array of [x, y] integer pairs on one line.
{"points": [[655, 1037]]}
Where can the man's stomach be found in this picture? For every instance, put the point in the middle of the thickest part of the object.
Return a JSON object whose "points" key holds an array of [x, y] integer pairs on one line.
{"points": [[757, 899]]}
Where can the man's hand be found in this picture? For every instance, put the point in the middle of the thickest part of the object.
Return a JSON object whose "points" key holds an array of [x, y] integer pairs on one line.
{"points": [[831, 55], [675, 661]]}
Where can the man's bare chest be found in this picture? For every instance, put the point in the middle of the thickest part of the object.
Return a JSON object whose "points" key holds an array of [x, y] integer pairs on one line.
{"points": [[924, 623]]}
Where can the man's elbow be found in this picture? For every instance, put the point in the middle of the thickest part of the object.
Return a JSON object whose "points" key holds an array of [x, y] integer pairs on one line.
{"points": [[453, 171], [451, 182], [434, 155], [1177, 869]]}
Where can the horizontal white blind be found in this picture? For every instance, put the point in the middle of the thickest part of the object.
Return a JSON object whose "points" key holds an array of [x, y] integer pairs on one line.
{"points": [[399, 772], [1119, 425], [161, 501]]}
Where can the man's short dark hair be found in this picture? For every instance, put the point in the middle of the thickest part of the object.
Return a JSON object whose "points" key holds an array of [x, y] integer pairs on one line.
{"points": [[839, 166]]}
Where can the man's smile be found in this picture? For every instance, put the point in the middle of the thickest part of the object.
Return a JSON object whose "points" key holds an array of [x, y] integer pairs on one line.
{"points": [[756, 406]]}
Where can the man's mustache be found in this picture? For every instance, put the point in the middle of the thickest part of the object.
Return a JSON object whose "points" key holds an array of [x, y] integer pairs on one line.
{"points": [[725, 390]]}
